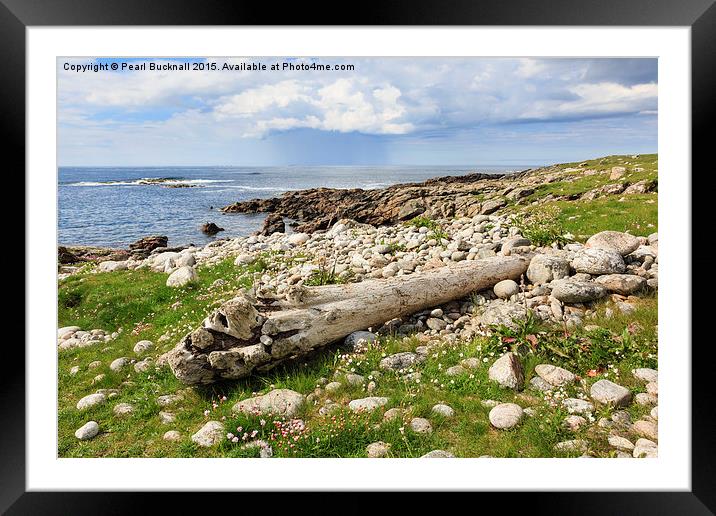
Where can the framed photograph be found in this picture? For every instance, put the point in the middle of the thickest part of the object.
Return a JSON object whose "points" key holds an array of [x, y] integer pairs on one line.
{"points": [[306, 257]]}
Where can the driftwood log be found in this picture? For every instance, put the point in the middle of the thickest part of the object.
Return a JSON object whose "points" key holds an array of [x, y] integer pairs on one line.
{"points": [[252, 332]]}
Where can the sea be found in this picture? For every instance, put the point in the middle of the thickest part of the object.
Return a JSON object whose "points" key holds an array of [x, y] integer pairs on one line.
{"points": [[113, 206]]}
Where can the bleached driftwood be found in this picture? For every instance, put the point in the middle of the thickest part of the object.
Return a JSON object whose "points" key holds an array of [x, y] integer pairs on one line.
{"points": [[250, 333]]}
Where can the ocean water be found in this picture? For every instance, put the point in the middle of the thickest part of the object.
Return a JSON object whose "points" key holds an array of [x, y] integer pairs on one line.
{"points": [[107, 206]]}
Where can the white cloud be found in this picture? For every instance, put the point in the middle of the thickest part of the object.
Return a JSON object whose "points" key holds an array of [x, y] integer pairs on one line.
{"points": [[382, 96]]}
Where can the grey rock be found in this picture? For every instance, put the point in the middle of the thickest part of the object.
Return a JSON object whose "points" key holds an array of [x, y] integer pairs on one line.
{"points": [[143, 346], [279, 402], [598, 261], [91, 400], [211, 434], [377, 450], [182, 276], [572, 445], [623, 243], [87, 431], [503, 313], [544, 268], [367, 404], [570, 291], [624, 284], [436, 324], [620, 443], [355, 379], [506, 288], [171, 435], [168, 399], [505, 415], [644, 448], [577, 406], [540, 384], [555, 375], [119, 364], [359, 340], [443, 410], [574, 422], [421, 425], [401, 361], [508, 371], [607, 392], [122, 409], [647, 429], [455, 370], [166, 417], [645, 374]]}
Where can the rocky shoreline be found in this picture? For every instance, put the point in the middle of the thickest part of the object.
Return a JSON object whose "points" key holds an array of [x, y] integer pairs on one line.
{"points": [[441, 197]]}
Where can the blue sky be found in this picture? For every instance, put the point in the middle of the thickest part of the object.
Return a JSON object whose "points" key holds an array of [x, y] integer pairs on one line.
{"points": [[387, 111]]}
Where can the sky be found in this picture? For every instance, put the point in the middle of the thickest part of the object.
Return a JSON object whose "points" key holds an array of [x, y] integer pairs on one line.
{"points": [[380, 111]]}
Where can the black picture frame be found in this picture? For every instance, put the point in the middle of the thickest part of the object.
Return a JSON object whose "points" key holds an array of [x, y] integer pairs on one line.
{"points": [[700, 15]]}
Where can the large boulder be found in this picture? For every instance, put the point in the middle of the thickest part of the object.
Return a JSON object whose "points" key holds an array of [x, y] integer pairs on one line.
{"points": [[544, 268], [624, 284], [279, 402], [623, 243], [598, 261], [572, 291], [182, 276]]}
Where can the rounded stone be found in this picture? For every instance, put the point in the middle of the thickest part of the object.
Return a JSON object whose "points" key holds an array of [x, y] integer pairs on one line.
{"points": [[210, 434], [443, 410], [610, 393], [572, 291], [598, 261], [623, 243], [505, 289], [119, 364], [505, 415], [91, 400], [421, 425], [554, 375], [87, 431], [182, 276], [122, 409], [367, 404], [544, 268], [377, 450], [143, 346], [171, 435]]}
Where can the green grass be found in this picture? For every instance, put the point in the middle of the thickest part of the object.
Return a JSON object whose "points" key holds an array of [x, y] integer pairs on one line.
{"points": [[345, 435], [637, 214]]}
